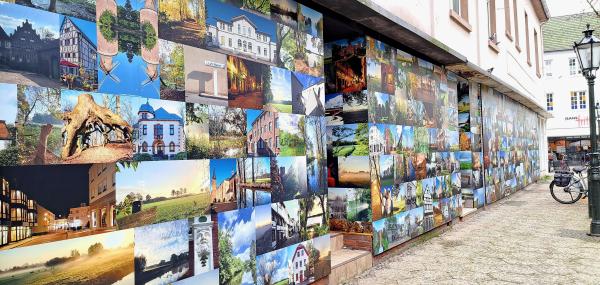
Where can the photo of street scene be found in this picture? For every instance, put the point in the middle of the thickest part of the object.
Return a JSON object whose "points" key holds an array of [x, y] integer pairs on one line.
{"points": [[146, 198], [87, 207]]}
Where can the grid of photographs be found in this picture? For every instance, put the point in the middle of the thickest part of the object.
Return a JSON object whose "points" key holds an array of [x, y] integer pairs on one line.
{"points": [[510, 154], [393, 149], [156, 128]]}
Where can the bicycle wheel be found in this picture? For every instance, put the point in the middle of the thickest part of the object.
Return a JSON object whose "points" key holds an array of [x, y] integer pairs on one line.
{"points": [[564, 195]]}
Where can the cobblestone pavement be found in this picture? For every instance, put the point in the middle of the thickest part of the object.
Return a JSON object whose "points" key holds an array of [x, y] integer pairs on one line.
{"points": [[527, 238]]}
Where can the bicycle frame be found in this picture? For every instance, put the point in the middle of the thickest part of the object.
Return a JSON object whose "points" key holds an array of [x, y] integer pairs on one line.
{"points": [[578, 178]]}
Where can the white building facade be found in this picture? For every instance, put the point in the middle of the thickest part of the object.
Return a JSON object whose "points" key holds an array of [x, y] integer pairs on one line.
{"points": [[298, 267], [241, 36], [565, 88], [158, 133]]}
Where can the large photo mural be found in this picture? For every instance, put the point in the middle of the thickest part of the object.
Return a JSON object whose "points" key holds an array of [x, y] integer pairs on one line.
{"points": [[394, 165], [165, 142]]}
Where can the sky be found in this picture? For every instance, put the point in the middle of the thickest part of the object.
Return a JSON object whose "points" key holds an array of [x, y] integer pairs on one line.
{"points": [[281, 84], [289, 123], [87, 27], [353, 163], [158, 178], [562, 7], [218, 10], [314, 16], [45, 252], [8, 102], [158, 242], [49, 182], [280, 260], [13, 15], [251, 116], [223, 168], [263, 216], [334, 100], [240, 225]]}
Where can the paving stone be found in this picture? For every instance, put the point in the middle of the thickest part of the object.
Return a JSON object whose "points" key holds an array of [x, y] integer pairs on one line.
{"points": [[528, 238]]}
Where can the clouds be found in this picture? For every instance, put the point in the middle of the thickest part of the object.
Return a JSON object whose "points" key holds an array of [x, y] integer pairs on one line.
{"points": [[241, 228], [289, 123], [158, 242]]}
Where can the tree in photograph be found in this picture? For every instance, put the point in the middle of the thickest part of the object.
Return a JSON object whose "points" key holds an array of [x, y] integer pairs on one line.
{"points": [[263, 6], [266, 271], [231, 267]]}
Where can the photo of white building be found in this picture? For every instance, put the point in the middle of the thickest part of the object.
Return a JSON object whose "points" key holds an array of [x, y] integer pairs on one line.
{"points": [[240, 36], [158, 133], [298, 266]]}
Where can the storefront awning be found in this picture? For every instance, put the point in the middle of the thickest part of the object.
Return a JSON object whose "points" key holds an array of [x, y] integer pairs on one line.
{"points": [[64, 62]]}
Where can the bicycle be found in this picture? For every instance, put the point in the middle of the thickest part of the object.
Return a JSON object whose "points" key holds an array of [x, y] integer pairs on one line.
{"points": [[577, 186]]}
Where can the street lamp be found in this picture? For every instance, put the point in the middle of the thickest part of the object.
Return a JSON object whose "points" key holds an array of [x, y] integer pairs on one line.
{"points": [[588, 54]]}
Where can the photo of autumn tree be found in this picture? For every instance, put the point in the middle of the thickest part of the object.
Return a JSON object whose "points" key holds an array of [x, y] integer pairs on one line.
{"points": [[172, 79], [255, 6], [182, 21], [196, 131]]}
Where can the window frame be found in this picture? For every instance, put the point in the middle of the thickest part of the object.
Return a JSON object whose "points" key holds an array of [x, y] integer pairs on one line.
{"points": [[549, 101]]}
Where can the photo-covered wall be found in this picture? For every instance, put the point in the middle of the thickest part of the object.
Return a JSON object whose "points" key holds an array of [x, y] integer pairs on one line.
{"points": [[394, 160], [163, 142], [510, 146]]}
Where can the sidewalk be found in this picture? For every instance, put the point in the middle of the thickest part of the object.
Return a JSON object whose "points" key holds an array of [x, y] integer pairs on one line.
{"points": [[527, 238]]}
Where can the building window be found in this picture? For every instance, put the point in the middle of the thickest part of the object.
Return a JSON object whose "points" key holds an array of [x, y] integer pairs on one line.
{"points": [[550, 102], [172, 129], [548, 67], [230, 43], [537, 53], [144, 146], [249, 46], [239, 43], [573, 100], [527, 45], [172, 147], [265, 51], [507, 26], [144, 130], [239, 29], [459, 12], [572, 66], [582, 100], [516, 21], [492, 21]]}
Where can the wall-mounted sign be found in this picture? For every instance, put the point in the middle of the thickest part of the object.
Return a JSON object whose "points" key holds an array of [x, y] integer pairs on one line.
{"points": [[214, 64]]}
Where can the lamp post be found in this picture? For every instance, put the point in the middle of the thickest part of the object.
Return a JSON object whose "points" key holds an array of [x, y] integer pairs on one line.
{"points": [[588, 54]]}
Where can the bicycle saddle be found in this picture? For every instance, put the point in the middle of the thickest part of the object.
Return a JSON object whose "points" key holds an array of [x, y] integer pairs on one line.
{"points": [[579, 169]]}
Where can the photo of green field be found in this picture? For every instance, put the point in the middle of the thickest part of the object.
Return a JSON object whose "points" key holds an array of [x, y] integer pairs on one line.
{"points": [[144, 198]]}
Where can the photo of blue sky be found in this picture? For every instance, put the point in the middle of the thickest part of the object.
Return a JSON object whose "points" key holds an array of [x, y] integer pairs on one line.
{"points": [[13, 16], [314, 17], [251, 116], [278, 259], [239, 228], [408, 137], [218, 10], [281, 85], [333, 101], [222, 169], [8, 102], [188, 174], [157, 242]]}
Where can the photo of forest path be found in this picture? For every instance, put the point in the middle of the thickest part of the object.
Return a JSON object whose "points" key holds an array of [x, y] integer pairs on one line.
{"points": [[182, 21]]}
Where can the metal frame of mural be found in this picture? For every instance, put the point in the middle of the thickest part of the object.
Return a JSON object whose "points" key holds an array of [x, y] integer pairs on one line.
{"points": [[169, 142]]}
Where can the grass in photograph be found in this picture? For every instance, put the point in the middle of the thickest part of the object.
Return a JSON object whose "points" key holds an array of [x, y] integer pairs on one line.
{"points": [[166, 210], [355, 150]]}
